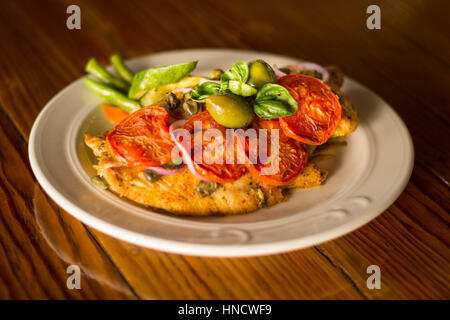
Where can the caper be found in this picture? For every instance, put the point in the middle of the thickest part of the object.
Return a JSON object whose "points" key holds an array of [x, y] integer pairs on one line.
{"points": [[174, 163], [206, 188], [229, 110], [99, 183], [310, 149], [171, 101], [190, 107], [186, 96], [260, 73], [151, 176], [285, 70], [312, 73], [216, 74]]}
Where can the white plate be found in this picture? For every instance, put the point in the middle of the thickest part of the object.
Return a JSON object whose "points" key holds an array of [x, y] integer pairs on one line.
{"points": [[364, 179]]}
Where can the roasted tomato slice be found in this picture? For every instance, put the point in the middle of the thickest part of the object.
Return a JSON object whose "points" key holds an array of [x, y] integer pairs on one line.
{"points": [[284, 161], [212, 147], [319, 110], [143, 139]]}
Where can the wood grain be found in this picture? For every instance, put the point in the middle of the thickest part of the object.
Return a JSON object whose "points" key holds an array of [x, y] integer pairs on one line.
{"points": [[38, 241], [406, 62]]}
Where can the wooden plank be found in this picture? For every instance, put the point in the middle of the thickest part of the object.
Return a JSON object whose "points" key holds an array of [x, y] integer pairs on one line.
{"points": [[414, 261], [38, 241], [401, 62], [304, 274]]}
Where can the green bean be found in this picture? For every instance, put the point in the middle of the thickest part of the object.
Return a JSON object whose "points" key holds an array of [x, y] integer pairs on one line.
{"points": [[123, 71], [98, 71], [111, 95]]}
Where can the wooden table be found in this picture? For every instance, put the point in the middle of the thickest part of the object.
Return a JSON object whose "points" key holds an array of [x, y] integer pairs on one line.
{"points": [[406, 62]]}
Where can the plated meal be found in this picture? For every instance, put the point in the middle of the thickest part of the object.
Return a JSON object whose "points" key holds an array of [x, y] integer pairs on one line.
{"points": [[178, 203], [228, 143]]}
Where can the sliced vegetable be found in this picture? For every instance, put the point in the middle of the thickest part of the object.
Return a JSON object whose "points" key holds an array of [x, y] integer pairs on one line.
{"points": [[122, 70], [143, 138], [155, 77], [319, 110], [241, 89], [209, 168], [156, 94], [183, 148], [112, 96], [260, 73], [286, 158], [113, 113], [274, 101], [165, 171], [310, 68], [99, 72], [229, 110], [280, 72]]}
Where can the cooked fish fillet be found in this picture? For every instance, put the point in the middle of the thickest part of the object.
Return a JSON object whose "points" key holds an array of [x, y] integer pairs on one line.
{"points": [[349, 118], [336, 77], [176, 193], [309, 177]]}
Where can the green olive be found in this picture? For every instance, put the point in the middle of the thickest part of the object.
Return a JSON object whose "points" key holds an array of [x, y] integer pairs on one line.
{"points": [[261, 73], [229, 110]]}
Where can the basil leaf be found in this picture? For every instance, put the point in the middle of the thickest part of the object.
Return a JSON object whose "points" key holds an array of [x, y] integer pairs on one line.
{"points": [[271, 109], [224, 86], [274, 101], [241, 89], [239, 72], [204, 90]]}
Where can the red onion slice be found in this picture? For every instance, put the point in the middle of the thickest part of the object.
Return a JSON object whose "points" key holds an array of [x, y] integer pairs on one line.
{"points": [[164, 171], [311, 66], [277, 71], [184, 152], [158, 170]]}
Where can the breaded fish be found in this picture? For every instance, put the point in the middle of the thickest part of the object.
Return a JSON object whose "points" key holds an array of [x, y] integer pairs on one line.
{"points": [[349, 118], [176, 193]]}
